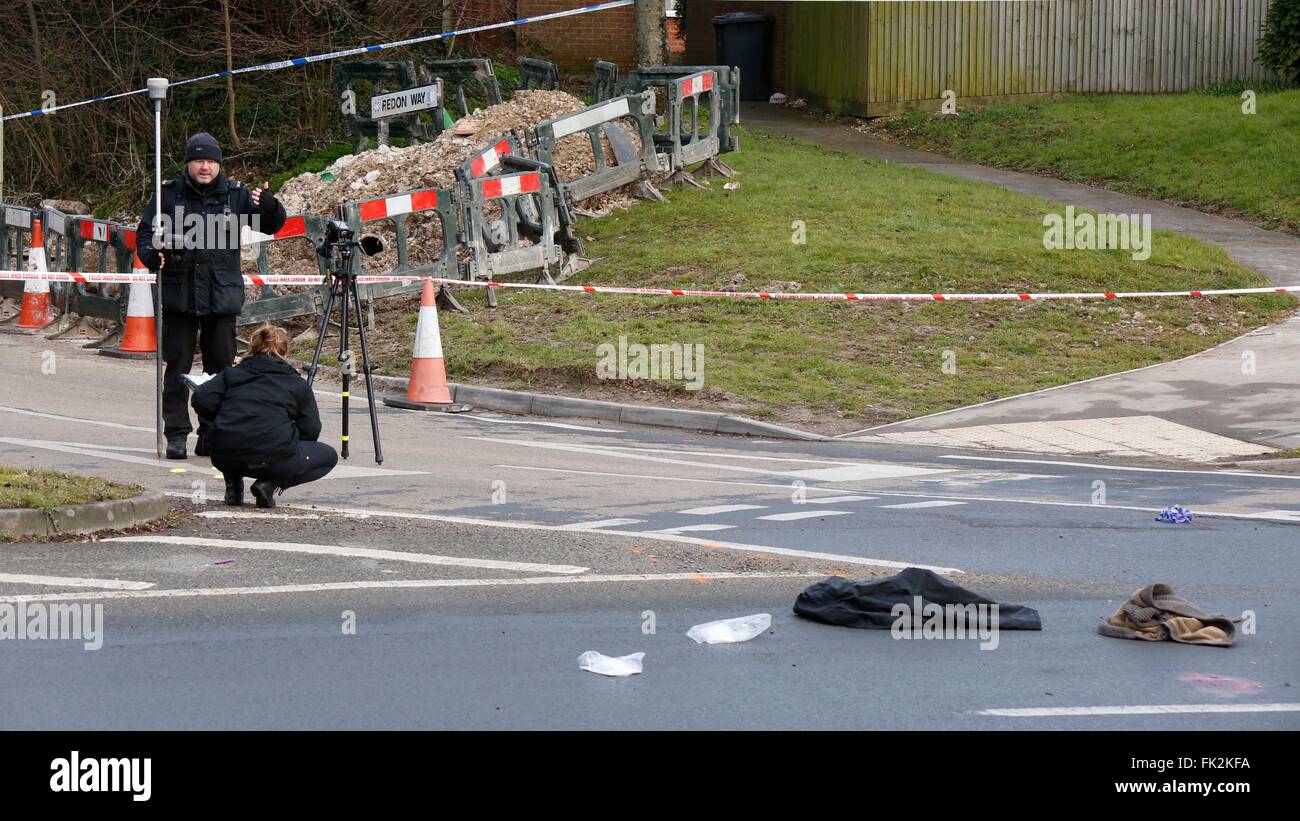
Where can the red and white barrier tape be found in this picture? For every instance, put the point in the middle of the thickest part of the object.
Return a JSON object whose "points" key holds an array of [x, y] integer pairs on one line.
{"points": [[315, 279]]}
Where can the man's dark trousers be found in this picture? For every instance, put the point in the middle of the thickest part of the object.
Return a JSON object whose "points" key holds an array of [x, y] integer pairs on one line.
{"points": [[216, 338]]}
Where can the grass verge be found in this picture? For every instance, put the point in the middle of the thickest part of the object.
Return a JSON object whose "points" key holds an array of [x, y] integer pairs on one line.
{"points": [[47, 489], [1196, 149]]}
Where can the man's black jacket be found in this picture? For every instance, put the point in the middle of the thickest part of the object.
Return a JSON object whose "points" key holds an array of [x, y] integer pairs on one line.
{"points": [[204, 279], [260, 409]]}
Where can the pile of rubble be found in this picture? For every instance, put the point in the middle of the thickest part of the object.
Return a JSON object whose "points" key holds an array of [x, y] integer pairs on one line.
{"points": [[385, 171]]}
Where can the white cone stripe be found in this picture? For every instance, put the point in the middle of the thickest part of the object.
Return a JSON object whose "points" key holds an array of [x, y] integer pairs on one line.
{"points": [[428, 341], [141, 301], [36, 260]]}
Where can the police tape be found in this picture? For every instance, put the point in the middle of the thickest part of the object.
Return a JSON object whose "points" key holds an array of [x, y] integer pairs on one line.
{"points": [[333, 55], [371, 279]]}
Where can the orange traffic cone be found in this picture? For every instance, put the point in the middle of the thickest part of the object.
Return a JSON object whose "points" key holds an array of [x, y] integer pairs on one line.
{"points": [[427, 389], [37, 310], [140, 337]]}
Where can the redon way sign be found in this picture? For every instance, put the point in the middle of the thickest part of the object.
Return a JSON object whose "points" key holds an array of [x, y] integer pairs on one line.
{"points": [[404, 102]]}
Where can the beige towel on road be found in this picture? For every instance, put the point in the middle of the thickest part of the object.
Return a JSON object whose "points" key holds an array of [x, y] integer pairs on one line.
{"points": [[1155, 613]]}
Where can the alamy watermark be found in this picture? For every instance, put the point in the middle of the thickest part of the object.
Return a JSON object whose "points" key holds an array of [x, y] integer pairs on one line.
{"points": [[679, 361], [34, 621], [203, 232], [950, 621], [1098, 232]]}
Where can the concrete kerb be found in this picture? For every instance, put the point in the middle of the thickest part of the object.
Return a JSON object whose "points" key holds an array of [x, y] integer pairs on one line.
{"points": [[117, 514], [541, 404]]}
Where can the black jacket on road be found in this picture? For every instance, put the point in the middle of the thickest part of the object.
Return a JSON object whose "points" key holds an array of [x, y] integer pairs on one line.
{"points": [[259, 409], [204, 280]]}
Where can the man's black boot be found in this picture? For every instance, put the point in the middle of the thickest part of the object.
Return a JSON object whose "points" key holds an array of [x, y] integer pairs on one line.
{"points": [[234, 491], [201, 446], [176, 447], [264, 492]]}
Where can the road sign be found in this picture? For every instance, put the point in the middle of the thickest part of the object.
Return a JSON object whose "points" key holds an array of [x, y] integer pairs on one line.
{"points": [[407, 101]]}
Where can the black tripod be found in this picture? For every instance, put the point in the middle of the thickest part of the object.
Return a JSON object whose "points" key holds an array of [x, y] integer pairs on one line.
{"points": [[339, 248]]}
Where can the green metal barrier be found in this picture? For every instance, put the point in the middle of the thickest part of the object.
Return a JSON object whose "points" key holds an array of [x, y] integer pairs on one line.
{"points": [[605, 119], [15, 236], [534, 74], [728, 85], [91, 246], [270, 306], [396, 210], [459, 75], [604, 83], [382, 77]]}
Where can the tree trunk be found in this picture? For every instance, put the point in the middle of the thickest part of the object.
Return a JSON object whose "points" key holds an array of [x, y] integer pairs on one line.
{"points": [[230, 78], [651, 37], [55, 161]]}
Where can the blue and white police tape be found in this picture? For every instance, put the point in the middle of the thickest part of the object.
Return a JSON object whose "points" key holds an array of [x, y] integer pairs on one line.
{"points": [[333, 55]]}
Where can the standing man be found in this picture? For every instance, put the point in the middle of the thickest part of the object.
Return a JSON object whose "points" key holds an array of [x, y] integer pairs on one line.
{"points": [[197, 250]]}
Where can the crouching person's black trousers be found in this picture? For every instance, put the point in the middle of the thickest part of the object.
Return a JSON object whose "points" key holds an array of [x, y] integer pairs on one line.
{"points": [[312, 461]]}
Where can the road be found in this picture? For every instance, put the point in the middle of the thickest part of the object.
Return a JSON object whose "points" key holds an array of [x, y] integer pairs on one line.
{"points": [[489, 551]]}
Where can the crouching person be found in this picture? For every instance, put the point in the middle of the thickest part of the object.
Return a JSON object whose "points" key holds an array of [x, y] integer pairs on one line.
{"points": [[263, 422]]}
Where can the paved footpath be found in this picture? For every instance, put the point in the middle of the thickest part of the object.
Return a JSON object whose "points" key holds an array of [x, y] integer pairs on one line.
{"points": [[1183, 400]]}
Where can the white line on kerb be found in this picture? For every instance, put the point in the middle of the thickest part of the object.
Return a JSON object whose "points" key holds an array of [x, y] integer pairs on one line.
{"points": [[401, 584], [62, 581], [351, 552], [1139, 710]]}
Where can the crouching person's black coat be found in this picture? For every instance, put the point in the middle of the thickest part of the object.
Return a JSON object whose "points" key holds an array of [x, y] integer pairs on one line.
{"points": [[259, 409]]}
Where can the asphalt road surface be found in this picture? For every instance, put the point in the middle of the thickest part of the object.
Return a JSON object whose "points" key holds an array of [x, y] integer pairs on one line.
{"points": [[455, 585]]}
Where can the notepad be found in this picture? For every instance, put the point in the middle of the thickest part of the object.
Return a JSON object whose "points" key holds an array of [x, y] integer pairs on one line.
{"points": [[195, 381]]}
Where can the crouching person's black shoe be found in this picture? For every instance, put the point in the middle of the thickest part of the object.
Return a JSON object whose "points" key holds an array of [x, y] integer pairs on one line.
{"points": [[176, 447], [235, 491], [264, 492]]}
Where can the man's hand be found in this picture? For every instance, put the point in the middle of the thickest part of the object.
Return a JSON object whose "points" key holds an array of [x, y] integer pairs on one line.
{"points": [[257, 193]]}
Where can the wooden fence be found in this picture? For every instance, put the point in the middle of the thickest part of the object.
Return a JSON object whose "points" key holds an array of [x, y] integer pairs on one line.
{"points": [[878, 58]]}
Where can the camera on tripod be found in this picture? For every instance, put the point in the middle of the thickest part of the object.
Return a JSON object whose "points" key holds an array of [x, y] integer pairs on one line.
{"points": [[340, 244], [337, 249]]}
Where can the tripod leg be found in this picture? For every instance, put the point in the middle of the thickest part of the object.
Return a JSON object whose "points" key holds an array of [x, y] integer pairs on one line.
{"points": [[370, 385], [345, 366], [326, 309]]}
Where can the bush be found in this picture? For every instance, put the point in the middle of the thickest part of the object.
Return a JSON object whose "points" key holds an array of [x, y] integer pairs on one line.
{"points": [[1279, 47]]}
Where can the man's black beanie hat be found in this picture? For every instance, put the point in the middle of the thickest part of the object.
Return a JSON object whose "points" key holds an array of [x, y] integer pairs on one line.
{"points": [[202, 146]]}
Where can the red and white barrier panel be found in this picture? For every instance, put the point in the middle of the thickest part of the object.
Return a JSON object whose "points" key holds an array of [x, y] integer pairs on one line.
{"points": [[489, 159], [403, 204], [508, 186], [696, 83], [315, 279]]}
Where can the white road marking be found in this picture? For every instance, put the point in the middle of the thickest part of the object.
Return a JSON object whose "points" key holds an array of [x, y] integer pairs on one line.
{"points": [[248, 514], [905, 494], [601, 523], [401, 584], [694, 528], [351, 552], [709, 511], [807, 514], [724, 454], [1095, 466], [1276, 515], [785, 489], [80, 449], [83, 421], [830, 500], [984, 478], [917, 505], [837, 558], [1139, 710], [349, 472], [448, 417], [846, 472], [84, 450], [62, 581], [861, 472]]}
